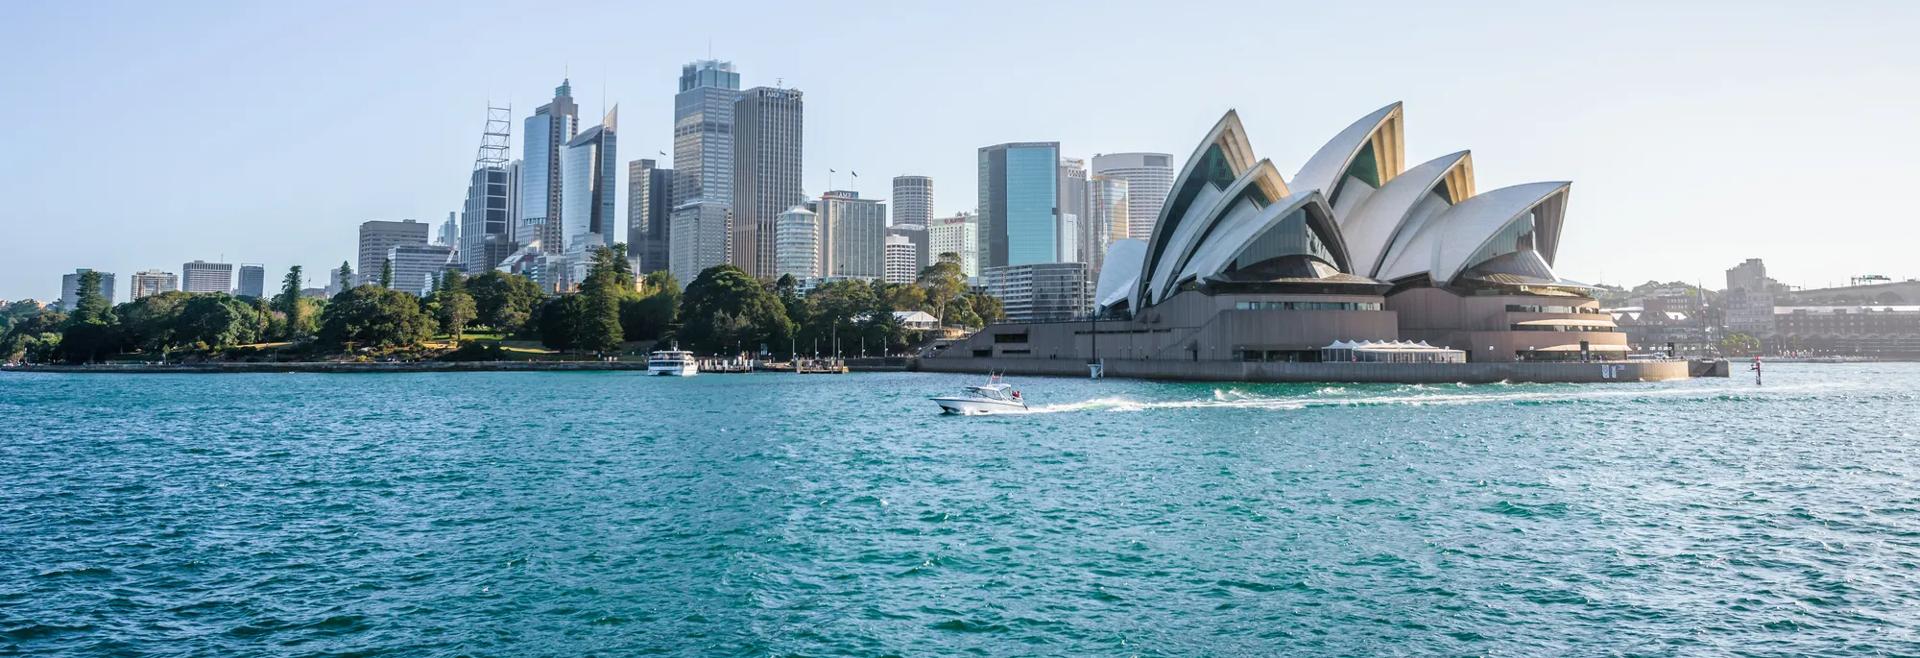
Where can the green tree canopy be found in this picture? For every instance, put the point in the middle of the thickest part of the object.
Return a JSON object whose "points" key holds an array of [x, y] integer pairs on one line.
{"points": [[724, 310], [386, 273], [945, 283], [453, 306], [504, 301], [346, 276], [372, 316], [649, 315]]}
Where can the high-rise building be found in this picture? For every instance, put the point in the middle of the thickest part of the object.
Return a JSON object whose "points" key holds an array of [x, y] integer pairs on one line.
{"points": [[899, 255], [376, 239], [70, 288], [958, 235], [1040, 291], [767, 124], [547, 133], [153, 282], [417, 267], [253, 281], [202, 276], [1073, 209], [912, 200], [697, 238], [649, 211], [1019, 203], [587, 187], [449, 230], [797, 243], [485, 235], [1105, 221], [853, 234], [1749, 299], [702, 167], [1149, 178], [916, 237]]}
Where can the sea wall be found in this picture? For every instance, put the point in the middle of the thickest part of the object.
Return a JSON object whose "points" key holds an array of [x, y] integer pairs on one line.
{"points": [[330, 366], [1402, 373]]}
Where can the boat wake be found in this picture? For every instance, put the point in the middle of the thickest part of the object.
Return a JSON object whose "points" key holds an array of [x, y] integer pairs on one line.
{"points": [[1335, 396]]}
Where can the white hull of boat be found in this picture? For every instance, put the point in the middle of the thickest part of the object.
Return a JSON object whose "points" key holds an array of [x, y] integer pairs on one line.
{"points": [[673, 371], [978, 407]]}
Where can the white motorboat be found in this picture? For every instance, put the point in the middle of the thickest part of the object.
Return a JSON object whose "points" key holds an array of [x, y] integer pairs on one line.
{"points": [[995, 397], [672, 363]]}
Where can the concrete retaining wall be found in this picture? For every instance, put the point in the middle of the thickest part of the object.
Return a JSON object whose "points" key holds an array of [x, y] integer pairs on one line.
{"points": [[1401, 373]]}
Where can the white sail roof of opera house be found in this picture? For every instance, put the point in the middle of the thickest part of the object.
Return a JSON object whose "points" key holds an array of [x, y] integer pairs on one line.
{"points": [[1352, 213]]}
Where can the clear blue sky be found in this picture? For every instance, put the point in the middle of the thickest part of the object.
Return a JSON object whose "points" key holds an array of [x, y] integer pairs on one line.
{"points": [[144, 135]]}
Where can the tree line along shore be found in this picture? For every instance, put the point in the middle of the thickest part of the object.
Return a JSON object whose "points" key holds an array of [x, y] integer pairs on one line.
{"points": [[614, 314]]}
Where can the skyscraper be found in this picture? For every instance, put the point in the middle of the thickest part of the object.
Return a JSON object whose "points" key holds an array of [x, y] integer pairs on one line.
{"points": [[587, 188], [1149, 178], [958, 235], [417, 267], [70, 288], [1019, 203], [486, 223], [649, 210], [899, 255], [376, 239], [767, 125], [547, 133], [1073, 209], [912, 200], [450, 230], [797, 243], [702, 168], [153, 282], [853, 234], [253, 281], [916, 237], [1106, 220], [202, 276]]}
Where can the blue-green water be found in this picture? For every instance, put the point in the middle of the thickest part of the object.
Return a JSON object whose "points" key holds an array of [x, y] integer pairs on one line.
{"points": [[530, 514]]}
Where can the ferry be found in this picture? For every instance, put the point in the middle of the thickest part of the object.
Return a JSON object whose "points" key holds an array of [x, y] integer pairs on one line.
{"points": [[672, 363], [994, 397]]}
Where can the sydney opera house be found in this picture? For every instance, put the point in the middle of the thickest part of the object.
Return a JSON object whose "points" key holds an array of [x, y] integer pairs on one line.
{"points": [[1247, 265]]}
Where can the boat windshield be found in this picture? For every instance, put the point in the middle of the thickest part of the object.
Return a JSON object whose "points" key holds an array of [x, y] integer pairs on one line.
{"points": [[992, 391]]}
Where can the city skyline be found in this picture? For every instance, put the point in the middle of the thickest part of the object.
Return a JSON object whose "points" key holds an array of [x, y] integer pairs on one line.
{"points": [[1628, 105]]}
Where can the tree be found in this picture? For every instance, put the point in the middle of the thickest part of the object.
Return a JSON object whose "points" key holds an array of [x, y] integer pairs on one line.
{"points": [[1739, 344], [372, 316], [386, 273], [32, 338], [152, 323], [289, 303], [986, 308], [649, 315], [504, 301], [608, 281], [835, 311], [346, 276], [944, 282], [89, 305], [724, 310], [90, 329], [453, 305], [213, 321]]}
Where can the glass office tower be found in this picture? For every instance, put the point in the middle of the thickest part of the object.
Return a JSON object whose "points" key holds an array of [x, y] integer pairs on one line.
{"points": [[1019, 203]]}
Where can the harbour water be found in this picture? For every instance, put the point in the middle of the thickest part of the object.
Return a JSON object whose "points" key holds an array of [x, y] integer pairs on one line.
{"points": [[537, 514]]}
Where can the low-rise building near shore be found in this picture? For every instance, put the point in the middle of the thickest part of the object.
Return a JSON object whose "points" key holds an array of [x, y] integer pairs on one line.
{"points": [[1244, 265]]}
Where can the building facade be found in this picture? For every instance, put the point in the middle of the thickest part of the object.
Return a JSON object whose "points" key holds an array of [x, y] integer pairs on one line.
{"points": [[417, 267], [912, 200], [378, 237], [1149, 178], [916, 237], [1073, 211], [899, 254], [202, 276], [1749, 299], [587, 187], [548, 131], [1019, 209], [649, 215], [485, 233], [1105, 222], [153, 282], [253, 281], [767, 146], [703, 166], [70, 288], [958, 235], [797, 243], [853, 235], [1040, 292], [697, 239], [1888, 332]]}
